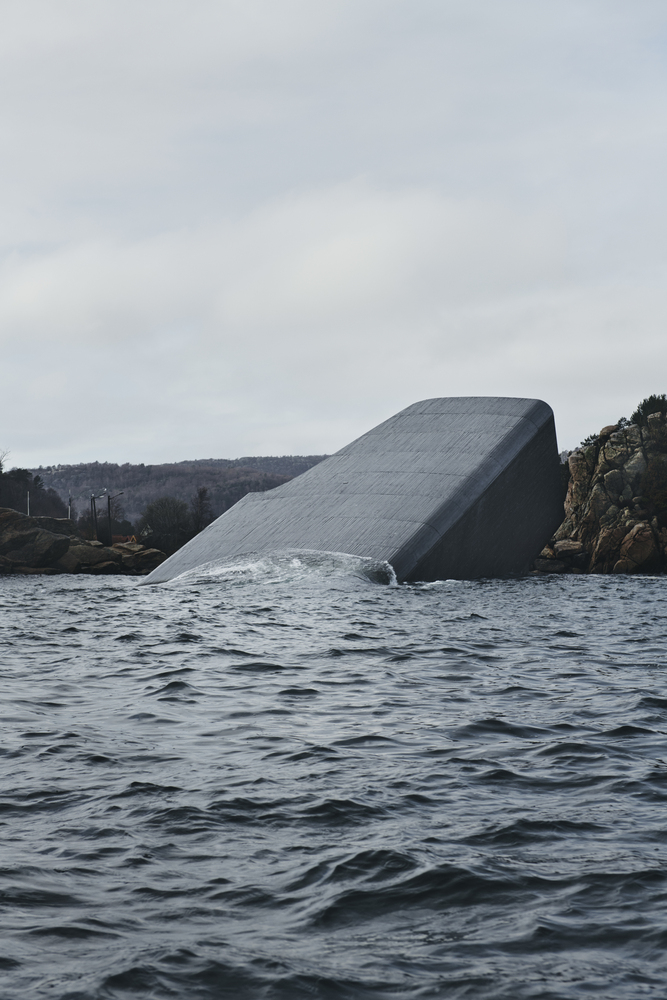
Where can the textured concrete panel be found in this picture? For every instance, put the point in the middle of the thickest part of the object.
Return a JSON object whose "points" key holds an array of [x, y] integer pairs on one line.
{"points": [[460, 487]]}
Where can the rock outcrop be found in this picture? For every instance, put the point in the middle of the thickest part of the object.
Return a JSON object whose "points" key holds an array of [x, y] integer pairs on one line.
{"points": [[49, 545], [616, 504]]}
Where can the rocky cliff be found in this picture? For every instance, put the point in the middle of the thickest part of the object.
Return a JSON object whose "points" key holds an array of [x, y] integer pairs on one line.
{"points": [[49, 545], [616, 504]]}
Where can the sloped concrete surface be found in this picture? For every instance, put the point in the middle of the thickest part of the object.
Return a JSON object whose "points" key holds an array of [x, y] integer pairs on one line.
{"points": [[459, 487]]}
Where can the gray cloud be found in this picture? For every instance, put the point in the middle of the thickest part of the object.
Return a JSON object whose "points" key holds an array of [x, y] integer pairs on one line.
{"points": [[261, 227]]}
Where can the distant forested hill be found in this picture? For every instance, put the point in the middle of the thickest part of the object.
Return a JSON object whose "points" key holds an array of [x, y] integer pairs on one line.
{"points": [[226, 479]]}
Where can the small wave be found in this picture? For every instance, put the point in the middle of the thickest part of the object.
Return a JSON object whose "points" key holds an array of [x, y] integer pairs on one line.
{"points": [[72, 931], [289, 565], [444, 885], [174, 691], [341, 812], [526, 831]]}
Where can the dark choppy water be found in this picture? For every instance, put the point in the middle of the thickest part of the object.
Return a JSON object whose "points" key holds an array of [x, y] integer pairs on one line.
{"points": [[290, 782]]}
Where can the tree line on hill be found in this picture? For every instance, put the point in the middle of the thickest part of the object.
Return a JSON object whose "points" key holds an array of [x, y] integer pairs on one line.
{"points": [[20, 489], [163, 505], [227, 480]]}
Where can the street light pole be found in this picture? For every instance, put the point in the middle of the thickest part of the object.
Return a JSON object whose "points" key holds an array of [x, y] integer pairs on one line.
{"points": [[109, 499], [93, 512]]}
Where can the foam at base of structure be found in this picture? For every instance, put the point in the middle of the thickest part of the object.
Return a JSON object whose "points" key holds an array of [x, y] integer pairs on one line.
{"points": [[284, 566]]}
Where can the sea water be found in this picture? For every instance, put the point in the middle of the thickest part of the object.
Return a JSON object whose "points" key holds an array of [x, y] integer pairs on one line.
{"points": [[290, 778]]}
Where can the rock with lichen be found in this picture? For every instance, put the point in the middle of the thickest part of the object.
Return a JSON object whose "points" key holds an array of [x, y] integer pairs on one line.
{"points": [[616, 504]]}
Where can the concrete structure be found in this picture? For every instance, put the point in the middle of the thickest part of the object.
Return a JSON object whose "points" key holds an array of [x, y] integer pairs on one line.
{"points": [[448, 488]]}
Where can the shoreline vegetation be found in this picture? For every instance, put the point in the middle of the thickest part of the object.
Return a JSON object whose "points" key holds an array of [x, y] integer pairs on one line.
{"points": [[226, 480], [615, 508]]}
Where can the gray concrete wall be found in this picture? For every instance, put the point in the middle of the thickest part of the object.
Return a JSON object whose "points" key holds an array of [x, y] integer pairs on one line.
{"points": [[458, 487]]}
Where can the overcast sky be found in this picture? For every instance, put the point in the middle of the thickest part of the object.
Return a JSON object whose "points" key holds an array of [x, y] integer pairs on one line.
{"points": [[242, 227]]}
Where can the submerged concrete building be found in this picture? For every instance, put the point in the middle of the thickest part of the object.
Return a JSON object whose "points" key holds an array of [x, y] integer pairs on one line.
{"points": [[461, 488]]}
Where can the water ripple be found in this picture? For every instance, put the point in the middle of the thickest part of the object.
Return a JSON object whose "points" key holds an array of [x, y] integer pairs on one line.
{"points": [[284, 779]]}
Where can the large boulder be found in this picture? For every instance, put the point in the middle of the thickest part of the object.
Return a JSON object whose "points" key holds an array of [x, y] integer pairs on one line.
{"points": [[638, 550], [607, 546], [26, 541], [82, 558], [57, 525], [128, 552], [138, 559], [568, 547], [611, 524], [550, 565], [148, 560], [11, 519]]}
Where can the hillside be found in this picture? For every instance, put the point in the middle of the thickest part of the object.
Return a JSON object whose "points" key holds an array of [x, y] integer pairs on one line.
{"points": [[226, 479]]}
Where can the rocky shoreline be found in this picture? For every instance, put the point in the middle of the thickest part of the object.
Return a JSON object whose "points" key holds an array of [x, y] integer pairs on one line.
{"points": [[51, 545], [616, 504]]}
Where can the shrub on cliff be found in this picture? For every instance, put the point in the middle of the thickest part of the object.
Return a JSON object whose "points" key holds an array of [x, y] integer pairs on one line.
{"points": [[652, 404]]}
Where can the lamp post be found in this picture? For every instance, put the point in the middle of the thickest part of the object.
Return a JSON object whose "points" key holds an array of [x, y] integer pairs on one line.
{"points": [[109, 499], [93, 512]]}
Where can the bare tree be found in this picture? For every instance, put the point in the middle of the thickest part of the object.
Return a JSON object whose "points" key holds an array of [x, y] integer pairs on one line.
{"points": [[117, 509]]}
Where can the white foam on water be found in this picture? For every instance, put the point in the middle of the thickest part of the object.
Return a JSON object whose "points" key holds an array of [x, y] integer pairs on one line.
{"points": [[284, 566]]}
